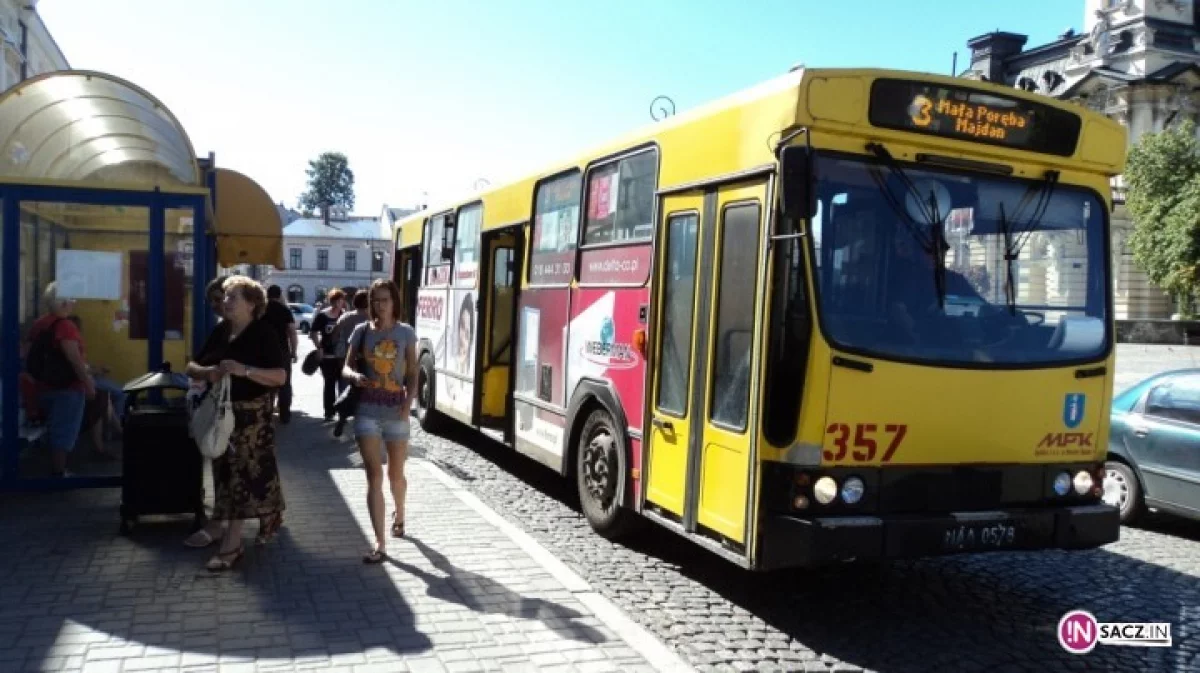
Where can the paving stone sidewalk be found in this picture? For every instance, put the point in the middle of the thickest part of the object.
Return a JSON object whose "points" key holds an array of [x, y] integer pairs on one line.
{"points": [[466, 592]]}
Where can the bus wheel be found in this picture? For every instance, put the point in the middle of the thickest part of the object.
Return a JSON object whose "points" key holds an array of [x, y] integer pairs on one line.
{"points": [[600, 466], [431, 420]]}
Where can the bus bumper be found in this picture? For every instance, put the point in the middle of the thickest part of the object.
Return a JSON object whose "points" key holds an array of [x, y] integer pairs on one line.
{"points": [[789, 541]]}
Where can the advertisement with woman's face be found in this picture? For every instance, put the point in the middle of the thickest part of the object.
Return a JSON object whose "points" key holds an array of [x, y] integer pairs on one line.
{"points": [[463, 332]]}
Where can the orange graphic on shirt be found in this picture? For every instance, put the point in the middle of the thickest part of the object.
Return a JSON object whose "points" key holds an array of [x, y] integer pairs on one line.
{"points": [[384, 363]]}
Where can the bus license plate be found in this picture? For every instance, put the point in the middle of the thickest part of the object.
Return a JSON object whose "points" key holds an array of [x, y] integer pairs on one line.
{"points": [[982, 535]]}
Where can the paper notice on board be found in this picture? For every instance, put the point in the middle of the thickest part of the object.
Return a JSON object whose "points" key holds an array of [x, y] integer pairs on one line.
{"points": [[86, 274]]}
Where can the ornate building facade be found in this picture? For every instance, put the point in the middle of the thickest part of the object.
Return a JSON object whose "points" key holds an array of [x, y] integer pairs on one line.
{"points": [[1138, 62]]}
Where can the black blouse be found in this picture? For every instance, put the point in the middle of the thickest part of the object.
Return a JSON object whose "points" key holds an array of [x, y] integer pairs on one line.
{"points": [[257, 346]]}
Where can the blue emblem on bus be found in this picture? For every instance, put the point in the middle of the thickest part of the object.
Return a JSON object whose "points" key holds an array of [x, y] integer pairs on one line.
{"points": [[1073, 409], [608, 331]]}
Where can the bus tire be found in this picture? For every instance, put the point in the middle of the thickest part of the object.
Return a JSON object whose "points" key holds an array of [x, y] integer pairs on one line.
{"points": [[431, 421], [600, 469]]}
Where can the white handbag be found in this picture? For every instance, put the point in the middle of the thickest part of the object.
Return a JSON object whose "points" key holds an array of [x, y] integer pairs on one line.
{"points": [[211, 422]]}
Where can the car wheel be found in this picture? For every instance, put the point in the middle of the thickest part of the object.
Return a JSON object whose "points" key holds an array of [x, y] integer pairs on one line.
{"points": [[1123, 491], [304, 328]]}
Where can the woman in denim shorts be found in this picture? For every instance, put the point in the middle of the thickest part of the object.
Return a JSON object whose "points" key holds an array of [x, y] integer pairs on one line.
{"points": [[387, 374]]}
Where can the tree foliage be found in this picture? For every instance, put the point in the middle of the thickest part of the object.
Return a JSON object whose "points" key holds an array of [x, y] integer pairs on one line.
{"points": [[1163, 179], [331, 181]]}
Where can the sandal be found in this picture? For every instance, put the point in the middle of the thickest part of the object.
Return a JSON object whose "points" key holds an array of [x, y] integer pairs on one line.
{"points": [[374, 556], [200, 539], [269, 528], [397, 526], [218, 562]]}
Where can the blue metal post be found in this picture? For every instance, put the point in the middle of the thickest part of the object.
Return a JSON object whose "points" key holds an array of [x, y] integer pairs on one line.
{"points": [[156, 283], [10, 282], [210, 242], [201, 315]]}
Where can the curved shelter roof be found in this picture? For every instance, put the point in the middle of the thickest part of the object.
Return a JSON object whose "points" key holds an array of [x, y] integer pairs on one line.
{"points": [[91, 127], [248, 225]]}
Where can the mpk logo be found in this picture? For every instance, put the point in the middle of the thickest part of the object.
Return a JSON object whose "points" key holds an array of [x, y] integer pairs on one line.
{"points": [[1073, 409]]}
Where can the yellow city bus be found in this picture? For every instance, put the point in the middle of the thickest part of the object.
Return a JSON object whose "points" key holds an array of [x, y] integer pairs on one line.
{"points": [[845, 314]]}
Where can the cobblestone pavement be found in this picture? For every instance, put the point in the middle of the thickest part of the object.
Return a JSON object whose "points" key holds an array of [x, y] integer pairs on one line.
{"points": [[466, 592], [966, 613]]}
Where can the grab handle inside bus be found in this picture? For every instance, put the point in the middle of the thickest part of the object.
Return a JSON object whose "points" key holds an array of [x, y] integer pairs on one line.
{"points": [[797, 196]]}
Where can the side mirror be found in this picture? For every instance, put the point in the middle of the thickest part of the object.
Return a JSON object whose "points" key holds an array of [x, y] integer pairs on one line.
{"points": [[448, 227], [797, 195]]}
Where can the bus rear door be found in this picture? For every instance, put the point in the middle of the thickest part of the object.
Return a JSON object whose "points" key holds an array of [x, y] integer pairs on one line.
{"points": [[701, 438], [408, 280]]}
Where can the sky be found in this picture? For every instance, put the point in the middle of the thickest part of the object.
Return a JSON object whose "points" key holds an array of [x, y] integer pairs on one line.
{"points": [[428, 98]]}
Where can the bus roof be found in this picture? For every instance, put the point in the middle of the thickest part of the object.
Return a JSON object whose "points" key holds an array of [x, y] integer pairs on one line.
{"points": [[757, 116]]}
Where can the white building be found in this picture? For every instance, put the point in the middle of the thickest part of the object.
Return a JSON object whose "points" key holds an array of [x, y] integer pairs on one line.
{"points": [[1136, 61], [29, 49], [348, 252]]}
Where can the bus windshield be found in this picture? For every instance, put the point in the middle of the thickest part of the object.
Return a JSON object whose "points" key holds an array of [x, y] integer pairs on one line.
{"points": [[923, 265]]}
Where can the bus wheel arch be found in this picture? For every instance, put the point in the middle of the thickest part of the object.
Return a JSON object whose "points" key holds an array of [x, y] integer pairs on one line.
{"points": [[1120, 476], [432, 421], [598, 458]]}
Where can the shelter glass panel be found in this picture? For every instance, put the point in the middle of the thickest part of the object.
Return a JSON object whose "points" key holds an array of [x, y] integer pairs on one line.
{"points": [[93, 262], [177, 292]]}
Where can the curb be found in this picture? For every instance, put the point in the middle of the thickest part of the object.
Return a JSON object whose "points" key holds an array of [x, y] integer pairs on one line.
{"points": [[660, 656]]}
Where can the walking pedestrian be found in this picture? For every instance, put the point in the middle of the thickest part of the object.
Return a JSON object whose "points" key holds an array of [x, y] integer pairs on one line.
{"points": [[387, 374], [322, 337], [342, 331], [280, 317]]}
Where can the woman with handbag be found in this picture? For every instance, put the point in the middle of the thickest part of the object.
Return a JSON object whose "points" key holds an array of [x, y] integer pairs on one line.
{"points": [[381, 363], [246, 476]]}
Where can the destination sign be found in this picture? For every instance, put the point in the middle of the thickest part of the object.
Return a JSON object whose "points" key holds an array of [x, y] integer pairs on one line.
{"points": [[973, 115]]}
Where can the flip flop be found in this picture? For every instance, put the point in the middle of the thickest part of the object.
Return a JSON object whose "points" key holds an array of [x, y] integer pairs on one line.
{"points": [[397, 526], [374, 556], [203, 541], [219, 564]]}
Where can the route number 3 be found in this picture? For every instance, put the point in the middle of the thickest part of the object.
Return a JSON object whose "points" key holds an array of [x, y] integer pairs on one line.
{"points": [[865, 443]]}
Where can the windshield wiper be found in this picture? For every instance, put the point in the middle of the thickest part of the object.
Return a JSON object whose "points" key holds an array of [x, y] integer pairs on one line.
{"points": [[1010, 294], [1045, 192], [937, 246]]}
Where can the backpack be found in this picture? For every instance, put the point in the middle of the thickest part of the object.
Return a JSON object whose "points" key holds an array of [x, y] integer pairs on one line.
{"points": [[48, 364]]}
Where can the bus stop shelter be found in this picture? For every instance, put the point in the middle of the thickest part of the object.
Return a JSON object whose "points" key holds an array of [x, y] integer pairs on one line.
{"points": [[101, 193]]}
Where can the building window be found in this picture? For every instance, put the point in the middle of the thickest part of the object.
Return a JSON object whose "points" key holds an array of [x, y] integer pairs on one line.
{"points": [[295, 262], [376, 261], [295, 294], [352, 260], [322, 260]]}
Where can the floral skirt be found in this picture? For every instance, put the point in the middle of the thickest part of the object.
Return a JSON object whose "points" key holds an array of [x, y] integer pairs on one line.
{"points": [[246, 478]]}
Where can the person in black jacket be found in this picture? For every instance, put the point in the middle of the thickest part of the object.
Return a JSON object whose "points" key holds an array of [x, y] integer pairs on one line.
{"points": [[280, 317], [322, 335]]}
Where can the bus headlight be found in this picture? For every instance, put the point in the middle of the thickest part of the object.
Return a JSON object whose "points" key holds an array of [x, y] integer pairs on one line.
{"points": [[1083, 482], [1062, 483], [825, 490], [852, 490]]}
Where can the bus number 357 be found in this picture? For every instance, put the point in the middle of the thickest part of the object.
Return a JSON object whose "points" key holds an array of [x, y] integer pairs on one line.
{"points": [[866, 441]]}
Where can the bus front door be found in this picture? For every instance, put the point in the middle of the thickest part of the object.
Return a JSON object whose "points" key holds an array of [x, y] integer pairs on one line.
{"points": [[701, 437]]}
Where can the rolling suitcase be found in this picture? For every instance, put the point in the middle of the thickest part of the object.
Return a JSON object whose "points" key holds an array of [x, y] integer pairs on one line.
{"points": [[162, 469]]}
